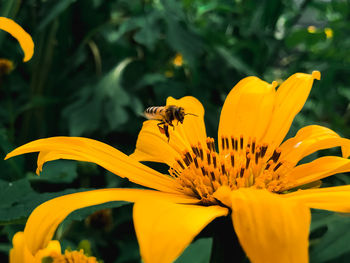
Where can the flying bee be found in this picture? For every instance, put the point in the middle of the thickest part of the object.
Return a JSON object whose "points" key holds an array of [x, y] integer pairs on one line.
{"points": [[166, 115]]}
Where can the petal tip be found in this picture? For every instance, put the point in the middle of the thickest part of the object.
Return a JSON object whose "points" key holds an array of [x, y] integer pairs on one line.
{"points": [[316, 74]]}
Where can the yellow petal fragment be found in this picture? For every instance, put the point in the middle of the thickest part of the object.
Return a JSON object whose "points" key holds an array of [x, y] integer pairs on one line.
{"points": [[335, 198], [318, 169], [165, 229], [42, 223], [247, 109], [154, 147], [24, 39], [290, 98], [84, 149], [20, 253], [269, 228], [311, 139]]}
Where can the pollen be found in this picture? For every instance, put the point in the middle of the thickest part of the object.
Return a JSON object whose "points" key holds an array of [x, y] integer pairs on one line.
{"points": [[240, 162], [72, 257]]}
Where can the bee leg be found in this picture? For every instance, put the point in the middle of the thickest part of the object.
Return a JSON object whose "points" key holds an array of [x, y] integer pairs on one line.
{"points": [[166, 131], [172, 125]]}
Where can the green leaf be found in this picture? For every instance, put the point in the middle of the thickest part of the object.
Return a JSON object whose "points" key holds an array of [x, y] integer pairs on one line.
{"points": [[59, 171], [199, 252], [54, 12], [19, 200], [335, 242]]}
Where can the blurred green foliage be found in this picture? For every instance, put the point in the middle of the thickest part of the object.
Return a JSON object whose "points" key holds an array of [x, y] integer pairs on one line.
{"points": [[98, 64]]}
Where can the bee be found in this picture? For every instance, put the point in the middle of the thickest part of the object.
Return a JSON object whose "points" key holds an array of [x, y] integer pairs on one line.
{"points": [[166, 115]]}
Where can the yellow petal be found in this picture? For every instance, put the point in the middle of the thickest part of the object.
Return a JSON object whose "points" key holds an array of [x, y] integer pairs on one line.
{"points": [[165, 229], [247, 109], [329, 198], [43, 222], [154, 146], [24, 39], [269, 228], [318, 169], [290, 98], [84, 149], [311, 139], [20, 253]]}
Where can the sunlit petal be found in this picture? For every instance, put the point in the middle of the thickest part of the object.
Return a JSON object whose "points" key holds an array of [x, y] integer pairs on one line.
{"points": [[24, 39], [290, 98], [165, 229], [83, 149], [269, 228], [247, 109]]}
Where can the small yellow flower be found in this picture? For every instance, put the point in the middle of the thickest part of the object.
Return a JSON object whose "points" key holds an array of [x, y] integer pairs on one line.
{"points": [[71, 257], [178, 60], [51, 253], [24, 39], [169, 73], [250, 177], [329, 32], [311, 29], [6, 66]]}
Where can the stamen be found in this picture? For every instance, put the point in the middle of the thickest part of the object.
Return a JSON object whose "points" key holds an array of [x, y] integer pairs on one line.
{"points": [[236, 144], [223, 169], [232, 159], [213, 145], [214, 160], [253, 146], [209, 144], [223, 143], [204, 172], [277, 166], [247, 161], [180, 163], [241, 141], [226, 140], [263, 150], [196, 162], [241, 173], [232, 143], [208, 157]]}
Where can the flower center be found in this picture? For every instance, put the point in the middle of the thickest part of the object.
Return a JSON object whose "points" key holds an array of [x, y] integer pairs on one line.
{"points": [[240, 163], [72, 257]]}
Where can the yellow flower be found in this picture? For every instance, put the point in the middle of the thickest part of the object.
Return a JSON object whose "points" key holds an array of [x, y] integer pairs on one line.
{"points": [[52, 252], [178, 60], [6, 66], [24, 39], [329, 32], [250, 177], [311, 29]]}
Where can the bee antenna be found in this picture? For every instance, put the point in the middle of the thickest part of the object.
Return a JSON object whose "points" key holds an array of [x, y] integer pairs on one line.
{"points": [[191, 114]]}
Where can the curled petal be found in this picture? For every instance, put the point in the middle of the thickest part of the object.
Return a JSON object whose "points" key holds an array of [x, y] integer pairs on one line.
{"points": [[88, 150], [24, 39], [311, 139], [318, 169]]}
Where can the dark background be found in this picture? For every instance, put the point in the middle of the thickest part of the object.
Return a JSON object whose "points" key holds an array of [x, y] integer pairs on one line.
{"points": [[98, 64]]}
